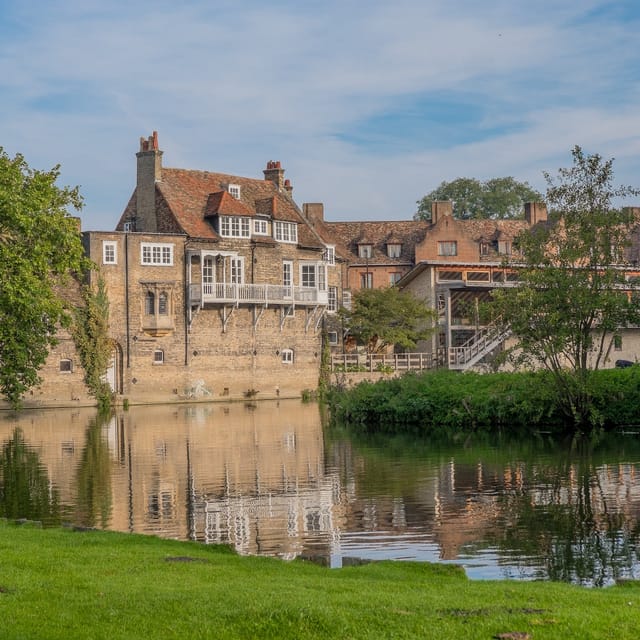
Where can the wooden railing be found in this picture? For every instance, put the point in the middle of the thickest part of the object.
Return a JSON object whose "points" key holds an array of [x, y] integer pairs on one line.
{"points": [[372, 362]]}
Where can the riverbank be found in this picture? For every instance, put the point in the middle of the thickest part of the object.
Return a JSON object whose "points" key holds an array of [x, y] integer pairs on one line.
{"points": [[448, 402], [60, 583]]}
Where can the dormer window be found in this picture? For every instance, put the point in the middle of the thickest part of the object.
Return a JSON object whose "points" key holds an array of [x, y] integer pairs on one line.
{"points": [[394, 249], [484, 249], [285, 232], [365, 251], [260, 227], [329, 255], [234, 227], [234, 190], [504, 247]]}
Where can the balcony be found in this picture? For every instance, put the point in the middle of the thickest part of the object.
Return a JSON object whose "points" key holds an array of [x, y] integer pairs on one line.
{"points": [[262, 294]]}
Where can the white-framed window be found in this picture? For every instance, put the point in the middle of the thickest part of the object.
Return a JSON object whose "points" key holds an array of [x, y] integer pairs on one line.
{"points": [[234, 190], [448, 248], [285, 231], [109, 252], [158, 356], [308, 275], [66, 365], [260, 227], [394, 249], [234, 227], [237, 270], [366, 280], [484, 249], [332, 299], [129, 226], [346, 300], [394, 277], [365, 250], [157, 253], [332, 336], [329, 255], [504, 247], [287, 356]]}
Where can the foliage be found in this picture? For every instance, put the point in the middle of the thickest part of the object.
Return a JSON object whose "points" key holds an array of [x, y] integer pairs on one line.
{"points": [[571, 299], [382, 317], [40, 247], [448, 402], [498, 198], [90, 334]]}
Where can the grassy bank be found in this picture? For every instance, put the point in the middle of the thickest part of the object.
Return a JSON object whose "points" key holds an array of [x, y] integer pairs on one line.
{"points": [[448, 401], [64, 584]]}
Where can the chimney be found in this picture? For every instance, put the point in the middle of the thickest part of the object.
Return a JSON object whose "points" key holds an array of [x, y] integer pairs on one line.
{"points": [[288, 187], [149, 172], [313, 212], [535, 212], [275, 173], [439, 209]]}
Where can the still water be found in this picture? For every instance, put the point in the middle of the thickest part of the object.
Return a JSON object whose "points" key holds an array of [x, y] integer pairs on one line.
{"points": [[265, 478]]}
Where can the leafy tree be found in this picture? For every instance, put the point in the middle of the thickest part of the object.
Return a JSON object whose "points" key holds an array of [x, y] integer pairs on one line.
{"points": [[496, 198], [572, 296], [40, 247], [382, 317]]}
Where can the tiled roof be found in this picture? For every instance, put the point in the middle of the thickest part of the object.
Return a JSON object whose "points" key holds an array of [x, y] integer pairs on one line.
{"points": [[407, 233], [223, 203]]}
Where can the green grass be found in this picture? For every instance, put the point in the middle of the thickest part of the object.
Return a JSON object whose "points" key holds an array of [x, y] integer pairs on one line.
{"points": [[57, 583]]}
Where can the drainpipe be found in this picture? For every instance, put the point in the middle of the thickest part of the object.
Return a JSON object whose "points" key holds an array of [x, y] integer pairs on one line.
{"points": [[187, 305], [126, 297]]}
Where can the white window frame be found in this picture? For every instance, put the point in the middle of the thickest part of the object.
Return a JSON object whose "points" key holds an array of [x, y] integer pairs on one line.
{"points": [[157, 254], [332, 336], [447, 247], [394, 249], [365, 251], [394, 277], [158, 356], [332, 299], [129, 226], [366, 280], [504, 247], [346, 300], [260, 227], [109, 252], [236, 270], [329, 255], [234, 227], [234, 190], [68, 366], [287, 356], [285, 232]]}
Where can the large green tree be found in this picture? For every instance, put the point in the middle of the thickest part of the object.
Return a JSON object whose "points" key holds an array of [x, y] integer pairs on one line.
{"points": [[572, 296], [383, 317], [497, 198], [40, 248]]}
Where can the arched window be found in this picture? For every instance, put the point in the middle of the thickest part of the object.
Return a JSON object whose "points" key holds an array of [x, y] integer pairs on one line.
{"points": [[287, 356], [149, 303], [163, 304]]}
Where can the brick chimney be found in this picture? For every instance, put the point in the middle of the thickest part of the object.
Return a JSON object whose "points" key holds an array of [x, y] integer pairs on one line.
{"points": [[535, 212], [439, 209], [149, 172], [313, 212], [275, 173], [288, 187]]}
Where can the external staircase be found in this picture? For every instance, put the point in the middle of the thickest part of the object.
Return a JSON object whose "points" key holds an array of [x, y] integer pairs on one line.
{"points": [[483, 342]]}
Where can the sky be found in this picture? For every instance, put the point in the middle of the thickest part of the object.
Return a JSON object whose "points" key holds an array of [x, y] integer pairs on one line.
{"points": [[367, 105]]}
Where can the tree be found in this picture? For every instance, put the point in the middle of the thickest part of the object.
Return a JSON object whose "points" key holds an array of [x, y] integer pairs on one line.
{"points": [[496, 198], [41, 247], [382, 317], [572, 295]]}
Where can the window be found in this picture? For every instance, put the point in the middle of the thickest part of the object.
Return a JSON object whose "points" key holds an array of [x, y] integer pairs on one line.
{"points": [[150, 303], [285, 232], [366, 280], [109, 252], [287, 356], [484, 249], [234, 227], [365, 250], [157, 254], [617, 342], [329, 255], [158, 356], [394, 277], [333, 337], [448, 248], [260, 227], [66, 365], [308, 275], [234, 190], [346, 300], [504, 247], [163, 304], [394, 249], [129, 226], [332, 304], [237, 270]]}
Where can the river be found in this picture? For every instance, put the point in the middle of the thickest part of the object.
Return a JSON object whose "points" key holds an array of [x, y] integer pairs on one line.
{"points": [[267, 479]]}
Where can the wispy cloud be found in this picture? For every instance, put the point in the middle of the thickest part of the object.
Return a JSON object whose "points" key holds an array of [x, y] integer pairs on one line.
{"points": [[368, 105]]}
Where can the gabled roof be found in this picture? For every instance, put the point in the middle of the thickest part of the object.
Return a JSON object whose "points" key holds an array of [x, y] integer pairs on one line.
{"points": [[222, 203]]}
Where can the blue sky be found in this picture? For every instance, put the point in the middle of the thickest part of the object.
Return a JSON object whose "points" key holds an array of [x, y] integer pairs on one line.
{"points": [[368, 105]]}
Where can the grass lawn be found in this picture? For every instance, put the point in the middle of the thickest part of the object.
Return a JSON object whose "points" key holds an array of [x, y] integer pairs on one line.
{"points": [[58, 583]]}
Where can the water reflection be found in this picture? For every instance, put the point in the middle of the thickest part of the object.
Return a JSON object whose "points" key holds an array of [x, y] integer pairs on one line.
{"points": [[265, 479]]}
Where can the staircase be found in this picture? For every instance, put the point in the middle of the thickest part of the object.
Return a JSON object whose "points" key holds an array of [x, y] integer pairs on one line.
{"points": [[483, 342]]}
